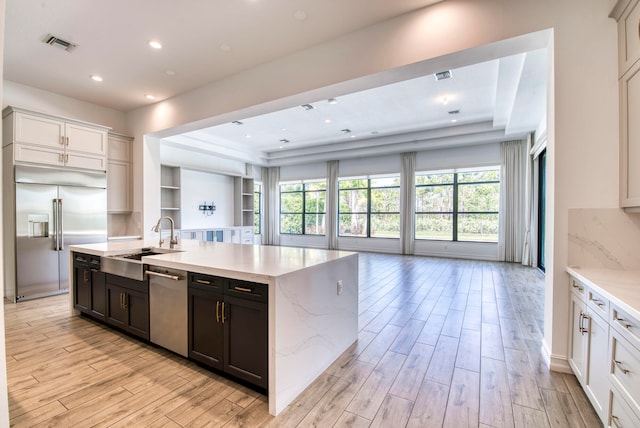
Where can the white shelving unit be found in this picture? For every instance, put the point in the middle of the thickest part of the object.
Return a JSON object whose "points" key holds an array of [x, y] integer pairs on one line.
{"points": [[170, 193]]}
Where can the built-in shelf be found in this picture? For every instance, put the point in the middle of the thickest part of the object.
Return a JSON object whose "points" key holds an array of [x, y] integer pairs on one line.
{"points": [[243, 201], [170, 193]]}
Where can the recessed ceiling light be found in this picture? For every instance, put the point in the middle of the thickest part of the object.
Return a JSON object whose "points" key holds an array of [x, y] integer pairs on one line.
{"points": [[332, 101], [300, 15], [454, 120], [353, 136], [443, 75], [284, 141], [283, 129], [155, 44], [96, 78], [327, 121], [247, 136], [149, 97]]}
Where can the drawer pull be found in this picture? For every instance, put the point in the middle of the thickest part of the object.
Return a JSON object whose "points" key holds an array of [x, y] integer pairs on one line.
{"points": [[619, 365], [246, 290], [600, 303], [574, 285], [202, 281], [614, 421], [624, 323]]}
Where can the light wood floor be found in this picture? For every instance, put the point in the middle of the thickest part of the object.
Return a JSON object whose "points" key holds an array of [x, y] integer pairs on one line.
{"points": [[442, 343]]}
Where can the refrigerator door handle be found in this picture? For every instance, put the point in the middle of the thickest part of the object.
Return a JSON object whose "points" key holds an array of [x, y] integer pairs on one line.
{"points": [[55, 225], [61, 226]]}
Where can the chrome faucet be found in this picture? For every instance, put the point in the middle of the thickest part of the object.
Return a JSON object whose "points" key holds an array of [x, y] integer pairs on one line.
{"points": [[173, 240]]}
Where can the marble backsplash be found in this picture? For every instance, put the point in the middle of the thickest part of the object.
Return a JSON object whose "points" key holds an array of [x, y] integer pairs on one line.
{"points": [[604, 238]]}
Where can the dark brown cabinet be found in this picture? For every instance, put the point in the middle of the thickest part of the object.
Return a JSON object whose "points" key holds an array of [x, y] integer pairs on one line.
{"points": [[127, 305], [88, 285], [228, 326]]}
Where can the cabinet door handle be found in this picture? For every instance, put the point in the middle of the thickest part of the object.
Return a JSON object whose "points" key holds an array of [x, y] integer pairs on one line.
{"points": [[583, 330], [66, 158], [619, 365], [223, 317], [217, 310], [86, 275], [246, 290], [202, 281], [125, 298], [574, 285], [600, 303], [121, 304], [62, 140], [61, 158], [67, 141]]}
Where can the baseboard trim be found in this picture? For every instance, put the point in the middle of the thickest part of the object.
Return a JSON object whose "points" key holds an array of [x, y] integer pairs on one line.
{"points": [[555, 363]]}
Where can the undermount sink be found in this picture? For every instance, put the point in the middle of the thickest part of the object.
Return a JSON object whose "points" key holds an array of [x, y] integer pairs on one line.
{"points": [[130, 264]]}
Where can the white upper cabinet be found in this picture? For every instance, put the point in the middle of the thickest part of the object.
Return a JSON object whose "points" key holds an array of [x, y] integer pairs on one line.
{"points": [[119, 171], [627, 13], [42, 139]]}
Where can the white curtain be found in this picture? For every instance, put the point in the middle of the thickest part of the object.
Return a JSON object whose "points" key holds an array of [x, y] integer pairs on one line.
{"points": [[407, 202], [529, 201], [331, 205], [271, 198], [511, 229]]}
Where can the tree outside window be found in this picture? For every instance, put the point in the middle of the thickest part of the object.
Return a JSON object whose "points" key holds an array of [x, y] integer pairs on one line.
{"points": [[369, 207], [302, 207], [458, 206]]}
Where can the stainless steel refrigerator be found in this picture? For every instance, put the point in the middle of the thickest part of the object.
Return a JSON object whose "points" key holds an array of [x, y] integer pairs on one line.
{"points": [[54, 209]]}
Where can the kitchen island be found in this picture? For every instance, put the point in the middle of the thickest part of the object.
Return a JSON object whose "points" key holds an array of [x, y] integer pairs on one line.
{"points": [[312, 300]]}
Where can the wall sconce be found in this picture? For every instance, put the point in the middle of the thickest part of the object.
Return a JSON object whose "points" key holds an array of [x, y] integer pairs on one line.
{"points": [[207, 209]]}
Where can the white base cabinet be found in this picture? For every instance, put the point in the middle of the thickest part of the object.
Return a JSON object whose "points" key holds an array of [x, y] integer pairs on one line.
{"points": [[604, 354]]}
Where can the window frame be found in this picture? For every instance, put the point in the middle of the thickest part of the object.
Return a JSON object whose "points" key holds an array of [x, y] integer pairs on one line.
{"points": [[304, 213], [455, 213], [368, 188], [257, 208]]}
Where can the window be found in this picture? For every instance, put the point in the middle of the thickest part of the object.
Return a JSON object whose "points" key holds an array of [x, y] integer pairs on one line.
{"points": [[369, 207], [458, 206], [257, 207], [302, 207]]}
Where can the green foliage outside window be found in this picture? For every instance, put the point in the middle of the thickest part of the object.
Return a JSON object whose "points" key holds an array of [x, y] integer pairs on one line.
{"points": [[302, 208], [369, 207], [459, 206]]}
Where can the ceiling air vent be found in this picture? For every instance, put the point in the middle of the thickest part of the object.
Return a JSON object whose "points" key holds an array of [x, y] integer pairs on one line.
{"points": [[56, 41], [443, 75], [454, 111]]}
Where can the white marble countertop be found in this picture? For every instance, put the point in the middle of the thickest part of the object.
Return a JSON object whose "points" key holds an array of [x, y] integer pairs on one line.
{"points": [[239, 261], [622, 287]]}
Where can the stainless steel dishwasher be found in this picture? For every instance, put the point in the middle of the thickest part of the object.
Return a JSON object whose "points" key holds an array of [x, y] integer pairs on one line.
{"points": [[168, 309]]}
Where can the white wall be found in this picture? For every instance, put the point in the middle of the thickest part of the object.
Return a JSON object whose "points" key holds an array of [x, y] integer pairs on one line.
{"points": [[582, 127], [18, 95], [198, 187]]}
